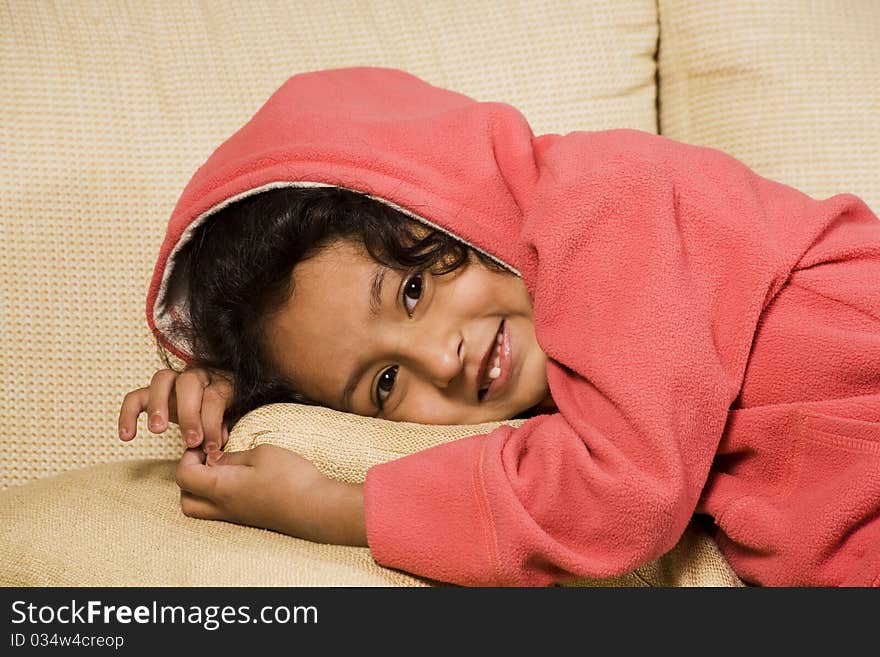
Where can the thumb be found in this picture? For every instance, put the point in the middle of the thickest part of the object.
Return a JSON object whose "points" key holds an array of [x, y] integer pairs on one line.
{"points": [[216, 457]]}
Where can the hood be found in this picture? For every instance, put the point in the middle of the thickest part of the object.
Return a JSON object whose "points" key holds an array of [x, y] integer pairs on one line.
{"points": [[459, 165]]}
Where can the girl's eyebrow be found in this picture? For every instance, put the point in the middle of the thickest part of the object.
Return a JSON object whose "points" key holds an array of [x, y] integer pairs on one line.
{"points": [[376, 290], [375, 308]]}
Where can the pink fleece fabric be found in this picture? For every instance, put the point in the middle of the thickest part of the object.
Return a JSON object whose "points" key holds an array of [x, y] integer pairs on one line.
{"points": [[713, 335]]}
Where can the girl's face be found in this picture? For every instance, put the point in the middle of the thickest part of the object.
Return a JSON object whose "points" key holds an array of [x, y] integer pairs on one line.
{"points": [[359, 337]]}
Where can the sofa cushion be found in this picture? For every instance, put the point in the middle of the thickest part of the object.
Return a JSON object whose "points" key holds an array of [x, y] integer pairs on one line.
{"points": [[791, 88], [109, 107], [345, 446], [120, 524]]}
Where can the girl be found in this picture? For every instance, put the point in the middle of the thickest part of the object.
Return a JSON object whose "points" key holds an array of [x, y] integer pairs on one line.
{"points": [[684, 335]]}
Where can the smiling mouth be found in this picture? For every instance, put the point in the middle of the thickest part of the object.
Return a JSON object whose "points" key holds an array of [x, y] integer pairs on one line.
{"points": [[490, 368]]}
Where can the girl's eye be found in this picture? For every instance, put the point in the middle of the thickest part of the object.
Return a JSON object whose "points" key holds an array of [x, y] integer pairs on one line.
{"points": [[385, 385], [412, 291]]}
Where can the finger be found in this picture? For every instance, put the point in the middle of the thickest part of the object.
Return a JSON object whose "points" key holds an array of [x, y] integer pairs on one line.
{"points": [[189, 393], [213, 407], [133, 404], [244, 457], [193, 476], [191, 458], [194, 506], [210, 482], [157, 404], [172, 408]]}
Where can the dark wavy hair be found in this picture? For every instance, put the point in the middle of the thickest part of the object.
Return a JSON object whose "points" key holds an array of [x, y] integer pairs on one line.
{"points": [[238, 265]]}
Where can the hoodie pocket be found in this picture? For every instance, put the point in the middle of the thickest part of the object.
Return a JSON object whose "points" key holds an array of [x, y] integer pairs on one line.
{"points": [[833, 496]]}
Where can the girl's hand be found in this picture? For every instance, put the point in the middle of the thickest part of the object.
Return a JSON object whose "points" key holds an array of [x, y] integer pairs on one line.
{"points": [[195, 399], [272, 488]]}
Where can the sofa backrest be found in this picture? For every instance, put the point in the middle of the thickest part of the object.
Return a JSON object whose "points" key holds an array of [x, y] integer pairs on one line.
{"points": [[791, 88], [108, 108]]}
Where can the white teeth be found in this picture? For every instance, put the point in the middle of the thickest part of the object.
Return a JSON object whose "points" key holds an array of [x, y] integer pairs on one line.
{"points": [[495, 372]]}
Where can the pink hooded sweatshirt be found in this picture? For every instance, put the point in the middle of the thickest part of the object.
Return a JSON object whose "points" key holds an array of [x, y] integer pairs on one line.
{"points": [[713, 336]]}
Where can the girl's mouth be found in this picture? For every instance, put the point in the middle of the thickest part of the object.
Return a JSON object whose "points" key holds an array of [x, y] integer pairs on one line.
{"points": [[498, 366]]}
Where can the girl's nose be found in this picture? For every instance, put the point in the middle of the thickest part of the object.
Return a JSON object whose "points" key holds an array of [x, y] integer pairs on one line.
{"points": [[435, 355]]}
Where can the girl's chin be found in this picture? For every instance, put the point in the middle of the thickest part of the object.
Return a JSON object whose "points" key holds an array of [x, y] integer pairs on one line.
{"points": [[546, 405]]}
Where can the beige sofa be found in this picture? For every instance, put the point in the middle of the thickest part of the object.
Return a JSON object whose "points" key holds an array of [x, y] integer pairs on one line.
{"points": [[108, 108]]}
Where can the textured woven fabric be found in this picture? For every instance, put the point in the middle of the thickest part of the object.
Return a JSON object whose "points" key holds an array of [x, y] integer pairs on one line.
{"points": [[791, 88], [48, 526], [120, 524], [342, 445], [345, 446], [109, 107]]}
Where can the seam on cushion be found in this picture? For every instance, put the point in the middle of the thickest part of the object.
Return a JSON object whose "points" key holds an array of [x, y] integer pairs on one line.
{"points": [[656, 59], [490, 536], [252, 439], [638, 575]]}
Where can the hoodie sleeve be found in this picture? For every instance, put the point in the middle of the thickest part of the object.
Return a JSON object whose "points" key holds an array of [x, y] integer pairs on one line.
{"points": [[649, 264]]}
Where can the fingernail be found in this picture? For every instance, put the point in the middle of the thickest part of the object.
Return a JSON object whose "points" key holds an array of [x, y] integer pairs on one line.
{"points": [[214, 457], [211, 447], [156, 421], [191, 437], [123, 432]]}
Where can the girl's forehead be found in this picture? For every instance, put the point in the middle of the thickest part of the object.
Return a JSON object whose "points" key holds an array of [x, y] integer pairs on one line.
{"points": [[337, 255], [331, 286], [322, 327]]}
